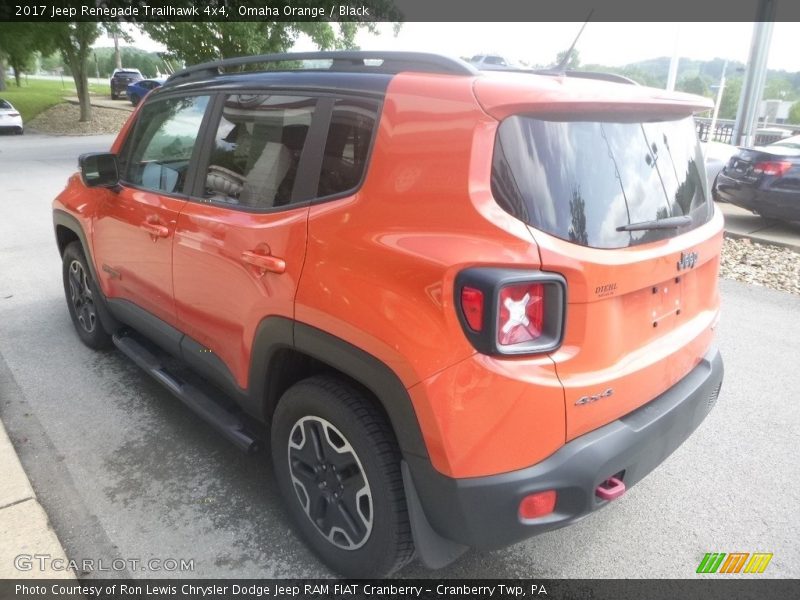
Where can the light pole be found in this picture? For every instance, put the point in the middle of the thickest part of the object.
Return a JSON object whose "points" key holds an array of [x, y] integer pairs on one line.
{"points": [[672, 75], [753, 86], [718, 102]]}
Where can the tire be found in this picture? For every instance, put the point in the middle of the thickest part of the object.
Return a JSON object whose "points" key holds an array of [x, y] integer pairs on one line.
{"points": [[20, 131], [114, 96], [82, 294], [134, 99], [769, 221], [333, 449]]}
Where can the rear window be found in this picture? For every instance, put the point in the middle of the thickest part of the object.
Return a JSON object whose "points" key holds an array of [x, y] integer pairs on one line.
{"points": [[127, 74], [5, 105], [581, 180]]}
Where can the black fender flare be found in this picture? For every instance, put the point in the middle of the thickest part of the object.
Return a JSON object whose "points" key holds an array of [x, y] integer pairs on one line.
{"points": [[277, 333], [64, 219]]}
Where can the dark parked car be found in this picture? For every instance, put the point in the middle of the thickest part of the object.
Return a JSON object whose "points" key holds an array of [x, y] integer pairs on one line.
{"points": [[764, 179], [138, 89], [121, 79]]}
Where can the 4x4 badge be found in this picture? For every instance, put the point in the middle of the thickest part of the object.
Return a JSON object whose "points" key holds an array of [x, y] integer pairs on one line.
{"points": [[687, 261], [589, 399]]}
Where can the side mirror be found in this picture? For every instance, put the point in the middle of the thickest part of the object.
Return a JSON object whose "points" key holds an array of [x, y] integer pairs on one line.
{"points": [[99, 169]]}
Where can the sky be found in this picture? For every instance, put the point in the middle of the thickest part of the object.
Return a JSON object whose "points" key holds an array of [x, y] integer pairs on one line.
{"points": [[611, 44]]}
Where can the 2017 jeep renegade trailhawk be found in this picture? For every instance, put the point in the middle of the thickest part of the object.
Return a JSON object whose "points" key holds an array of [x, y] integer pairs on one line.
{"points": [[471, 307]]}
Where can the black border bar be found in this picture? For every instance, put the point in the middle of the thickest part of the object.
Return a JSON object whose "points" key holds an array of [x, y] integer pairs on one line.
{"points": [[704, 588], [398, 10]]}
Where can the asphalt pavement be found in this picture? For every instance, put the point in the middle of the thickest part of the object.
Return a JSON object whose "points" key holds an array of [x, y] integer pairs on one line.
{"points": [[124, 471]]}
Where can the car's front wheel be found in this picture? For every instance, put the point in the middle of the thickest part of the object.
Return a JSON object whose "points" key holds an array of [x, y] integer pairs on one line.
{"points": [[337, 465], [82, 298]]}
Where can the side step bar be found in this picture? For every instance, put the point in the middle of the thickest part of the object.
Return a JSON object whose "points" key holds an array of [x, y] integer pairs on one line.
{"points": [[228, 424]]}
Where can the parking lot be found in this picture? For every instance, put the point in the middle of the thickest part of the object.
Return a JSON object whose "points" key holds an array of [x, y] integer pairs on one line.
{"points": [[125, 471]]}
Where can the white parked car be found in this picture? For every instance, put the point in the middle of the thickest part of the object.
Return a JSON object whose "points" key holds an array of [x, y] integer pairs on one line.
{"points": [[10, 119], [493, 62]]}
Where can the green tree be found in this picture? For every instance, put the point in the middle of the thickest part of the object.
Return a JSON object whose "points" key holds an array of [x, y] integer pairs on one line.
{"points": [[574, 59], [694, 85], [794, 114], [74, 41], [778, 88], [729, 103], [149, 63], [115, 32], [52, 62], [194, 43], [19, 43]]}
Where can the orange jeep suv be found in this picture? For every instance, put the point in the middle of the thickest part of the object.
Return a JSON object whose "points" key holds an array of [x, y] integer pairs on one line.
{"points": [[467, 307]]}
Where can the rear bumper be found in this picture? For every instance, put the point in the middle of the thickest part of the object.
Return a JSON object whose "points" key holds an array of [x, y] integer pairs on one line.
{"points": [[482, 511]]}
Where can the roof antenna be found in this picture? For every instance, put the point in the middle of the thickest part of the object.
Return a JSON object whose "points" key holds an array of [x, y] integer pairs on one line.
{"points": [[561, 67]]}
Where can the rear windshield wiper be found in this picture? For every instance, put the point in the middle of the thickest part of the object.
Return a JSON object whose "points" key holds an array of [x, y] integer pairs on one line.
{"points": [[668, 223]]}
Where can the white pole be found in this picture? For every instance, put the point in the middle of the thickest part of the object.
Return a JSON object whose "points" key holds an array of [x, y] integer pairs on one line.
{"points": [[673, 63], [717, 103]]}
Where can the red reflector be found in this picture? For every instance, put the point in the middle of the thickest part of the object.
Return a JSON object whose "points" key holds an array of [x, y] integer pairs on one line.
{"points": [[778, 167], [537, 505], [520, 316], [472, 305]]}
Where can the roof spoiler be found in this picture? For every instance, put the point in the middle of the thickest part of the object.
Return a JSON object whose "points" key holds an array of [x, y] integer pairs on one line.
{"points": [[612, 77]]}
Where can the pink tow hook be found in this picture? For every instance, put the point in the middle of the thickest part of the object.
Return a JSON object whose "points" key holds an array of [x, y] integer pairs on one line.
{"points": [[610, 489]]}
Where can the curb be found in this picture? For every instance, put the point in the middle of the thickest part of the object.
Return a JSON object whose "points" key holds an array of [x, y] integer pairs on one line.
{"points": [[763, 241], [102, 103], [743, 224], [24, 527]]}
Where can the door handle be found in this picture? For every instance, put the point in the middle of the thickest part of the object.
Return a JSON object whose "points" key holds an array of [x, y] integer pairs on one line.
{"points": [[267, 262], [155, 229]]}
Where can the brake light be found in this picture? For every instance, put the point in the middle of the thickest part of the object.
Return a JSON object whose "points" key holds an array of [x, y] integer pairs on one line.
{"points": [[507, 311], [472, 305], [773, 167], [520, 314], [13, 114]]}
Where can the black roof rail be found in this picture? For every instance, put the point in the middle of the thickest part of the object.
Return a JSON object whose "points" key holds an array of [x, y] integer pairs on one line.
{"points": [[347, 60], [612, 77]]}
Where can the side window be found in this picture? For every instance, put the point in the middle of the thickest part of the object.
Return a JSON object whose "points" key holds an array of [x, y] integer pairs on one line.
{"points": [[257, 149], [346, 150], [158, 154]]}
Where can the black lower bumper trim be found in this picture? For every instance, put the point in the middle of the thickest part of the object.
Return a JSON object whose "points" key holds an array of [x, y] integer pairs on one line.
{"points": [[482, 511]]}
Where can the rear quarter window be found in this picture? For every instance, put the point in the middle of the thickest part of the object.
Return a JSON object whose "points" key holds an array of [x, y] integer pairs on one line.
{"points": [[581, 180]]}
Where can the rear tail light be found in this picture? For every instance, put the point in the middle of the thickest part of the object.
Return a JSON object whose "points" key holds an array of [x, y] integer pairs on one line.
{"points": [[13, 114], [775, 168], [520, 316], [511, 311]]}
